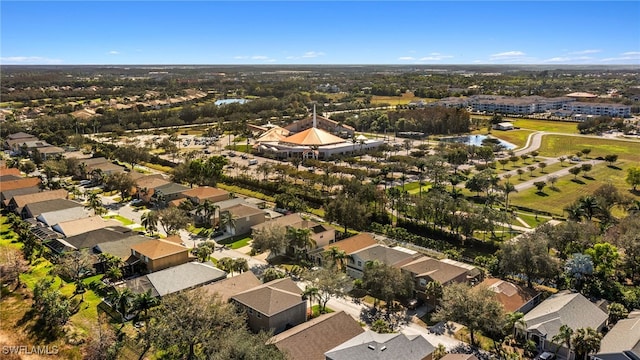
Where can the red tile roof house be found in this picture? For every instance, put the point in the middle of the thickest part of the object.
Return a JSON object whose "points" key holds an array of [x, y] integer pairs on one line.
{"points": [[158, 254], [19, 184], [311, 339], [512, 297], [273, 306]]}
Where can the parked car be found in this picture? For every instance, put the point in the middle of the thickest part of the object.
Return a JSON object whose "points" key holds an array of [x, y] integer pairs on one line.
{"points": [[546, 356]]}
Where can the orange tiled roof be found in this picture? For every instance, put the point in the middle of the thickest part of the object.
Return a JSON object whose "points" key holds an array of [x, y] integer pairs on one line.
{"points": [[313, 137]]}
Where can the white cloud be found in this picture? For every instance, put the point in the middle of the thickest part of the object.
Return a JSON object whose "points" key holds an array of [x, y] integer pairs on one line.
{"points": [[114, 52], [585, 52], [312, 54], [406, 58], [557, 59], [240, 57], [508, 54], [435, 57], [631, 53], [259, 57], [28, 60]]}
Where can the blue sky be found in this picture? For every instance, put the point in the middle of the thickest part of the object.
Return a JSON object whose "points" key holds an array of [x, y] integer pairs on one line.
{"points": [[320, 32]]}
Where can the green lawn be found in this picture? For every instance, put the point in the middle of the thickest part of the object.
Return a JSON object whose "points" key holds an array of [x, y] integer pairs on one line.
{"points": [[568, 190], [238, 243], [243, 191], [546, 125], [558, 145], [122, 219], [516, 137]]}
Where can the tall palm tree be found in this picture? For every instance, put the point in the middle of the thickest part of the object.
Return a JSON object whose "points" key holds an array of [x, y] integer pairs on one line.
{"points": [[310, 293], [590, 206], [207, 210], [586, 341], [150, 221], [515, 320], [227, 220], [338, 257], [563, 337], [300, 240]]}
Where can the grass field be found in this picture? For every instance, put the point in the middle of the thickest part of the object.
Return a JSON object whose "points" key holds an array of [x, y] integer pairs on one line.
{"points": [[568, 190], [516, 137], [558, 145], [122, 219], [546, 125]]}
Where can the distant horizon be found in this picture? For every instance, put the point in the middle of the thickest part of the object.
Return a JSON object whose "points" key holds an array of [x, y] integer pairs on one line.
{"points": [[293, 33]]}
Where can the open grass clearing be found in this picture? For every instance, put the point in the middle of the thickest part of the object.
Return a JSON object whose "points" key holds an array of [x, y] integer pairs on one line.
{"points": [[569, 189], [559, 145], [516, 137], [546, 125]]}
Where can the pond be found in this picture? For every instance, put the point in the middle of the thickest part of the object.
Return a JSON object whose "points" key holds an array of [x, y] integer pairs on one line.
{"points": [[230, 101], [477, 140]]}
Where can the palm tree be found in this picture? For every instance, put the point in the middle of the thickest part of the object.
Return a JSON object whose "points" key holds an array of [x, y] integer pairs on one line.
{"points": [[227, 220], [121, 300], [434, 291], [586, 341], [338, 257], [310, 293], [94, 202], [439, 352], [590, 206], [300, 239], [150, 221], [563, 337], [207, 209], [515, 320]]}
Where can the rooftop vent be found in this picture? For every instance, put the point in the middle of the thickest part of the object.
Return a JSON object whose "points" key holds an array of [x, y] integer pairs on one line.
{"points": [[371, 347], [383, 348]]}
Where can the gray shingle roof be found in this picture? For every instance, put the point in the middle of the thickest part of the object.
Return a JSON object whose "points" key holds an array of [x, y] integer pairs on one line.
{"points": [[625, 335], [571, 309], [46, 206], [272, 297], [177, 278], [383, 254], [373, 346], [53, 217]]}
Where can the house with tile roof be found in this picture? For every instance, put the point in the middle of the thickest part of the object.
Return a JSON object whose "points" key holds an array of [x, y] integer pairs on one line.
{"points": [[178, 278], [622, 342], [512, 297], [425, 269], [311, 339], [373, 346], [18, 202], [564, 308], [396, 257], [274, 306], [225, 289], [158, 254], [20, 183]]}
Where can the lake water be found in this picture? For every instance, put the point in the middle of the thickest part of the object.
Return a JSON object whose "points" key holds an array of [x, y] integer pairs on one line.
{"points": [[476, 140], [230, 101]]}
